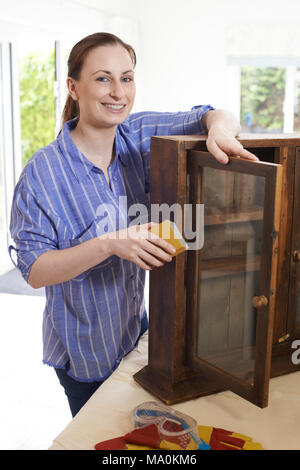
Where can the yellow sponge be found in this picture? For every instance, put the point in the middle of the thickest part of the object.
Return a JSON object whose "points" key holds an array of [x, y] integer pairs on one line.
{"points": [[168, 231]]}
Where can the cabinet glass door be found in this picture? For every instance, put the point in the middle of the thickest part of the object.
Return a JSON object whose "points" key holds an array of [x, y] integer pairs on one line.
{"points": [[294, 297], [231, 288]]}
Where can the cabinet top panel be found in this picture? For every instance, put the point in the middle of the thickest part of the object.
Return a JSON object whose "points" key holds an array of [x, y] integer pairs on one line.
{"points": [[247, 140]]}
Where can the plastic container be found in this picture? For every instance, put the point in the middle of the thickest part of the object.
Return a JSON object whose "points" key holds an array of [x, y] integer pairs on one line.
{"points": [[176, 430]]}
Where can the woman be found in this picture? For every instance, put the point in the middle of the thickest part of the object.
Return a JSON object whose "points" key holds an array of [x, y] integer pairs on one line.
{"points": [[94, 279]]}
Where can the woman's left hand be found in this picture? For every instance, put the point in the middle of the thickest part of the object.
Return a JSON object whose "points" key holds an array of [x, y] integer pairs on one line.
{"points": [[221, 144]]}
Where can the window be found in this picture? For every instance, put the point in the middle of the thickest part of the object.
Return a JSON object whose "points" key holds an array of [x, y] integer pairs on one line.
{"points": [[2, 166], [37, 95], [32, 97], [297, 101], [9, 161], [265, 93], [262, 99]]}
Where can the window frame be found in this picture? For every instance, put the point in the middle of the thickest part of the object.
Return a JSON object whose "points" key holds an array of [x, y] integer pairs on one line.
{"points": [[10, 138]]}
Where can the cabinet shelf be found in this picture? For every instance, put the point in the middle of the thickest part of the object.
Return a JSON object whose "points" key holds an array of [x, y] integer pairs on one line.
{"points": [[209, 269], [255, 213]]}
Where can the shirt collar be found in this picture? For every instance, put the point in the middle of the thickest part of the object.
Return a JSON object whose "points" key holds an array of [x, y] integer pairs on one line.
{"points": [[79, 164]]}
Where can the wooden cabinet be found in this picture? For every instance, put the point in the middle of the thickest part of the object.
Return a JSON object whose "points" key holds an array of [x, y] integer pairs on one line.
{"points": [[224, 314]]}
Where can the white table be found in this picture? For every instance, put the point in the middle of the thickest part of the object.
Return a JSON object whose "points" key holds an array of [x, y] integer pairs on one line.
{"points": [[108, 412]]}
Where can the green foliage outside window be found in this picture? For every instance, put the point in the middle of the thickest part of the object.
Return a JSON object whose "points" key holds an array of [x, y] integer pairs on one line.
{"points": [[262, 96], [297, 104], [37, 103]]}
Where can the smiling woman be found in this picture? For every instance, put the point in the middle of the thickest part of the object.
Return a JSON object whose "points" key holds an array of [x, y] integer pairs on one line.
{"points": [[103, 98], [77, 57], [111, 91], [95, 309]]}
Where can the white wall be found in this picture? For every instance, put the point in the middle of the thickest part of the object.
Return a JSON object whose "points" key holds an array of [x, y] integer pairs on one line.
{"points": [[183, 48], [186, 47]]}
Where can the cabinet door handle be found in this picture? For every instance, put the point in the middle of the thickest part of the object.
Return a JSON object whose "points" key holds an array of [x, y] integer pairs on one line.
{"points": [[259, 301], [296, 255]]}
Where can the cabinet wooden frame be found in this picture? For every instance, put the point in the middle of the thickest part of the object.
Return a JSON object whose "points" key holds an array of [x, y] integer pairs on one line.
{"points": [[172, 373]]}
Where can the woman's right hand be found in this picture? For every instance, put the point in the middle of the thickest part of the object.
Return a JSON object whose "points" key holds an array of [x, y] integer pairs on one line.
{"points": [[138, 244]]}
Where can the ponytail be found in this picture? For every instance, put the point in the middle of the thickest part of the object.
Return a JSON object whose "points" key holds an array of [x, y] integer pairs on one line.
{"points": [[70, 111]]}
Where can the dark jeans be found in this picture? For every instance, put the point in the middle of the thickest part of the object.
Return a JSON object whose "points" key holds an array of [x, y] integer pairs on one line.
{"points": [[78, 393]]}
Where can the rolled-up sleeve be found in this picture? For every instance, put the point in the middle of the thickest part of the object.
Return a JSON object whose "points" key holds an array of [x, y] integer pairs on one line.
{"points": [[142, 126], [190, 122], [32, 227]]}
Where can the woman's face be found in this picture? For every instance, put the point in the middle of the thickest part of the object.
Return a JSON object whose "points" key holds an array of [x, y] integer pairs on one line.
{"points": [[105, 90]]}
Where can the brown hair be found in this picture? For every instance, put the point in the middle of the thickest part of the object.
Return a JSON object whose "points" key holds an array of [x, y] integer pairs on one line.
{"points": [[77, 57]]}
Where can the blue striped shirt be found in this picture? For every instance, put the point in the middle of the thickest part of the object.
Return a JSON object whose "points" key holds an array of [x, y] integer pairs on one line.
{"points": [[93, 320]]}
